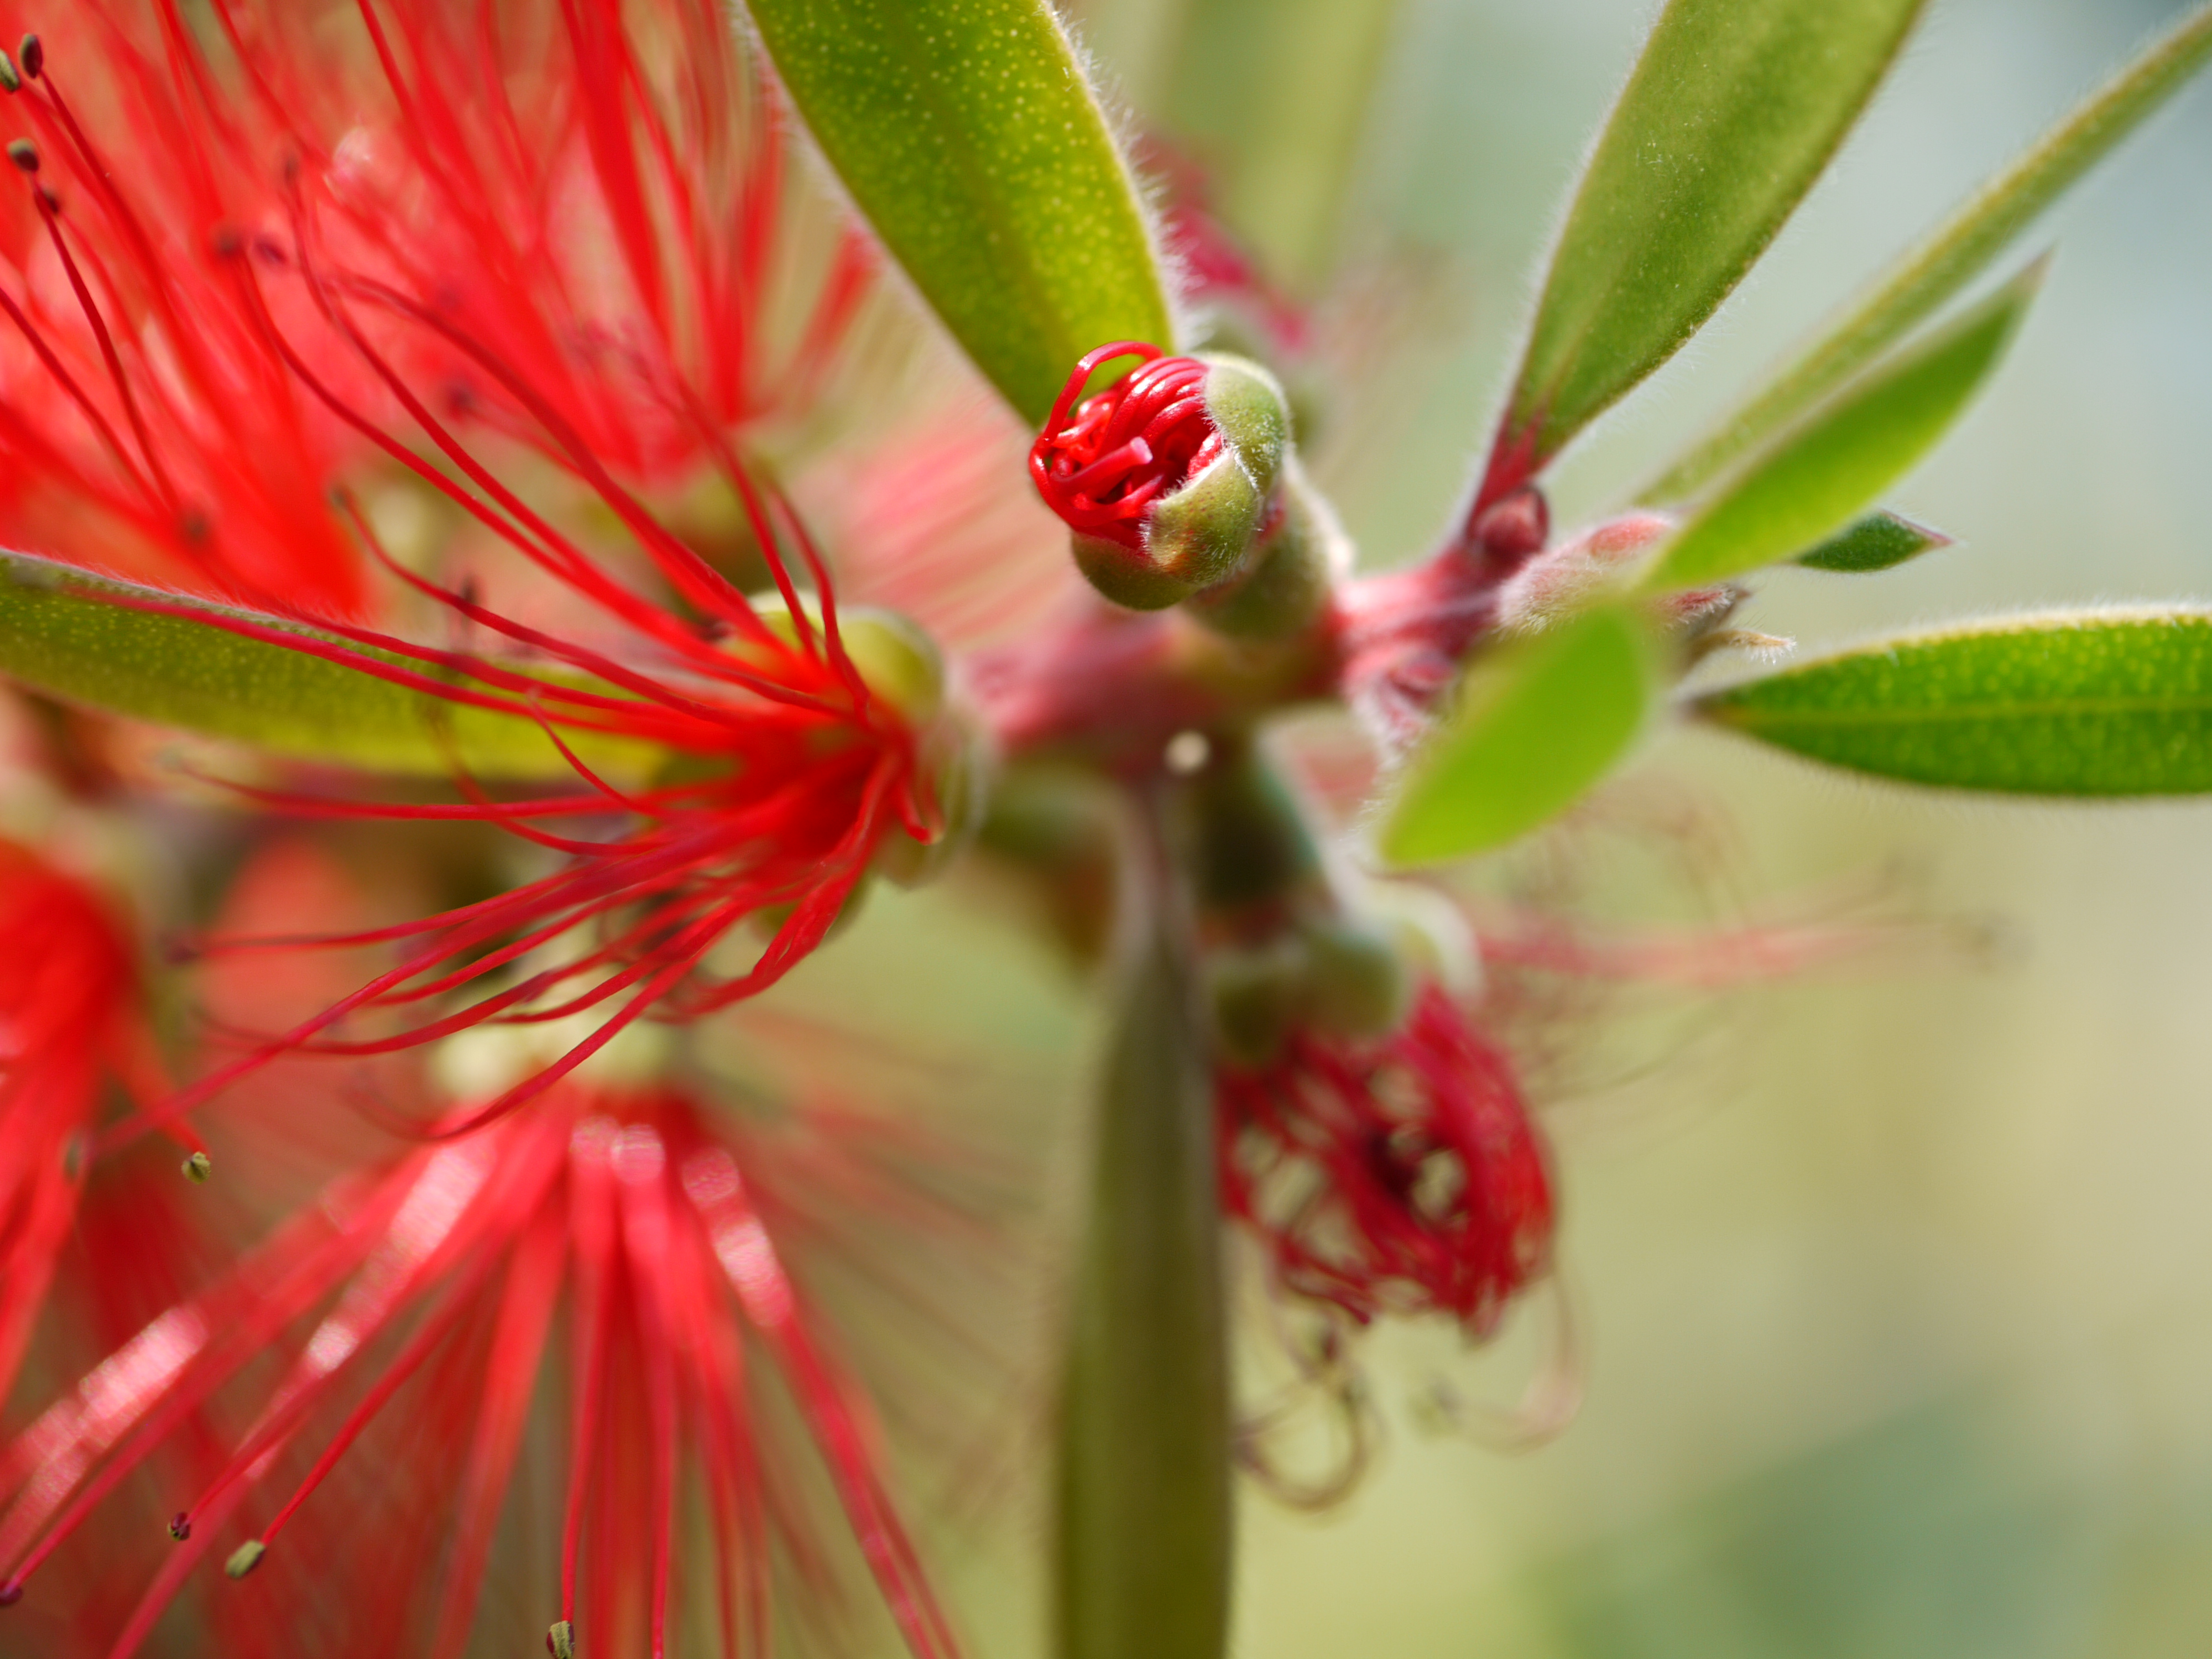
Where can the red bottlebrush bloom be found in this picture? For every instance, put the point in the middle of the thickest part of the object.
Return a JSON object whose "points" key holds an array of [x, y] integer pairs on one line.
{"points": [[613, 1235], [508, 270], [70, 1024], [1100, 463], [1400, 1176]]}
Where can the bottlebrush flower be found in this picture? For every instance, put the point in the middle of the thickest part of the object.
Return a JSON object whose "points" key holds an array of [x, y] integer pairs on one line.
{"points": [[526, 279], [613, 1235]]}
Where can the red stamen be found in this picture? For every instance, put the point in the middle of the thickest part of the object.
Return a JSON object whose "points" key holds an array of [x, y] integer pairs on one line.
{"points": [[643, 1221], [1400, 1177], [1100, 463]]}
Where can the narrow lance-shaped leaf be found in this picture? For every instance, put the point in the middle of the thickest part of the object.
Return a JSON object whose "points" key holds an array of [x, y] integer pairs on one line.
{"points": [[1536, 724], [968, 135], [2101, 703], [1144, 1488], [1990, 221], [1879, 541], [1734, 110], [1814, 482], [84, 639]]}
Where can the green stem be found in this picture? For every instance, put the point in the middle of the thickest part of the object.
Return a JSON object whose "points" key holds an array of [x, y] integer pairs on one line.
{"points": [[1143, 1542]]}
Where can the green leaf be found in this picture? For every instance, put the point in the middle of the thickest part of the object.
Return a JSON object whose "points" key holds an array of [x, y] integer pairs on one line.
{"points": [[62, 632], [1144, 1494], [1815, 481], [2104, 703], [1879, 541], [1734, 110], [968, 135], [1536, 724], [1916, 287]]}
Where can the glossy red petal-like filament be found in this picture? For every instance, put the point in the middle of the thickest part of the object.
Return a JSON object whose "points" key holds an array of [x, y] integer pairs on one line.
{"points": [[1101, 463]]}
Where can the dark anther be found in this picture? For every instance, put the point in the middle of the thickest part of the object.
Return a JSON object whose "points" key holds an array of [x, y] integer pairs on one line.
{"points": [[9, 80], [180, 1526], [225, 242], [48, 200], [33, 52], [24, 153], [10, 1592]]}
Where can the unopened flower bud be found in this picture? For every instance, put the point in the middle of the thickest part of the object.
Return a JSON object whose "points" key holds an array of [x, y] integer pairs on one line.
{"points": [[1167, 476], [1255, 994], [896, 661], [1512, 530], [1301, 548], [1245, 839], [959, 760], [1579, 572], [1357, 984]]}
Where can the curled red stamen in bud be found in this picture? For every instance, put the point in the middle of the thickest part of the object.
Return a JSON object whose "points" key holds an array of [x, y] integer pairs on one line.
{"points": [[32, 54], [1102, 462]]}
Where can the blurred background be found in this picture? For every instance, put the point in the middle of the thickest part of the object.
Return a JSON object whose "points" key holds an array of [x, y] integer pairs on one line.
{"points": [[1893, 1281]]}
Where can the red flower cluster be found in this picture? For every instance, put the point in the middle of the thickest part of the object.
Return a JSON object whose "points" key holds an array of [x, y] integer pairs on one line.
{"points": [[1401, 1177], [521, 278]]}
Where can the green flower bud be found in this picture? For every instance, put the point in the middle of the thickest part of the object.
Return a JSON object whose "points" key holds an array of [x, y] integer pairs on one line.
{"points": [[1255, 994], [1166, 477], [1357, 984], [896, 660], [1285, 580]]}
